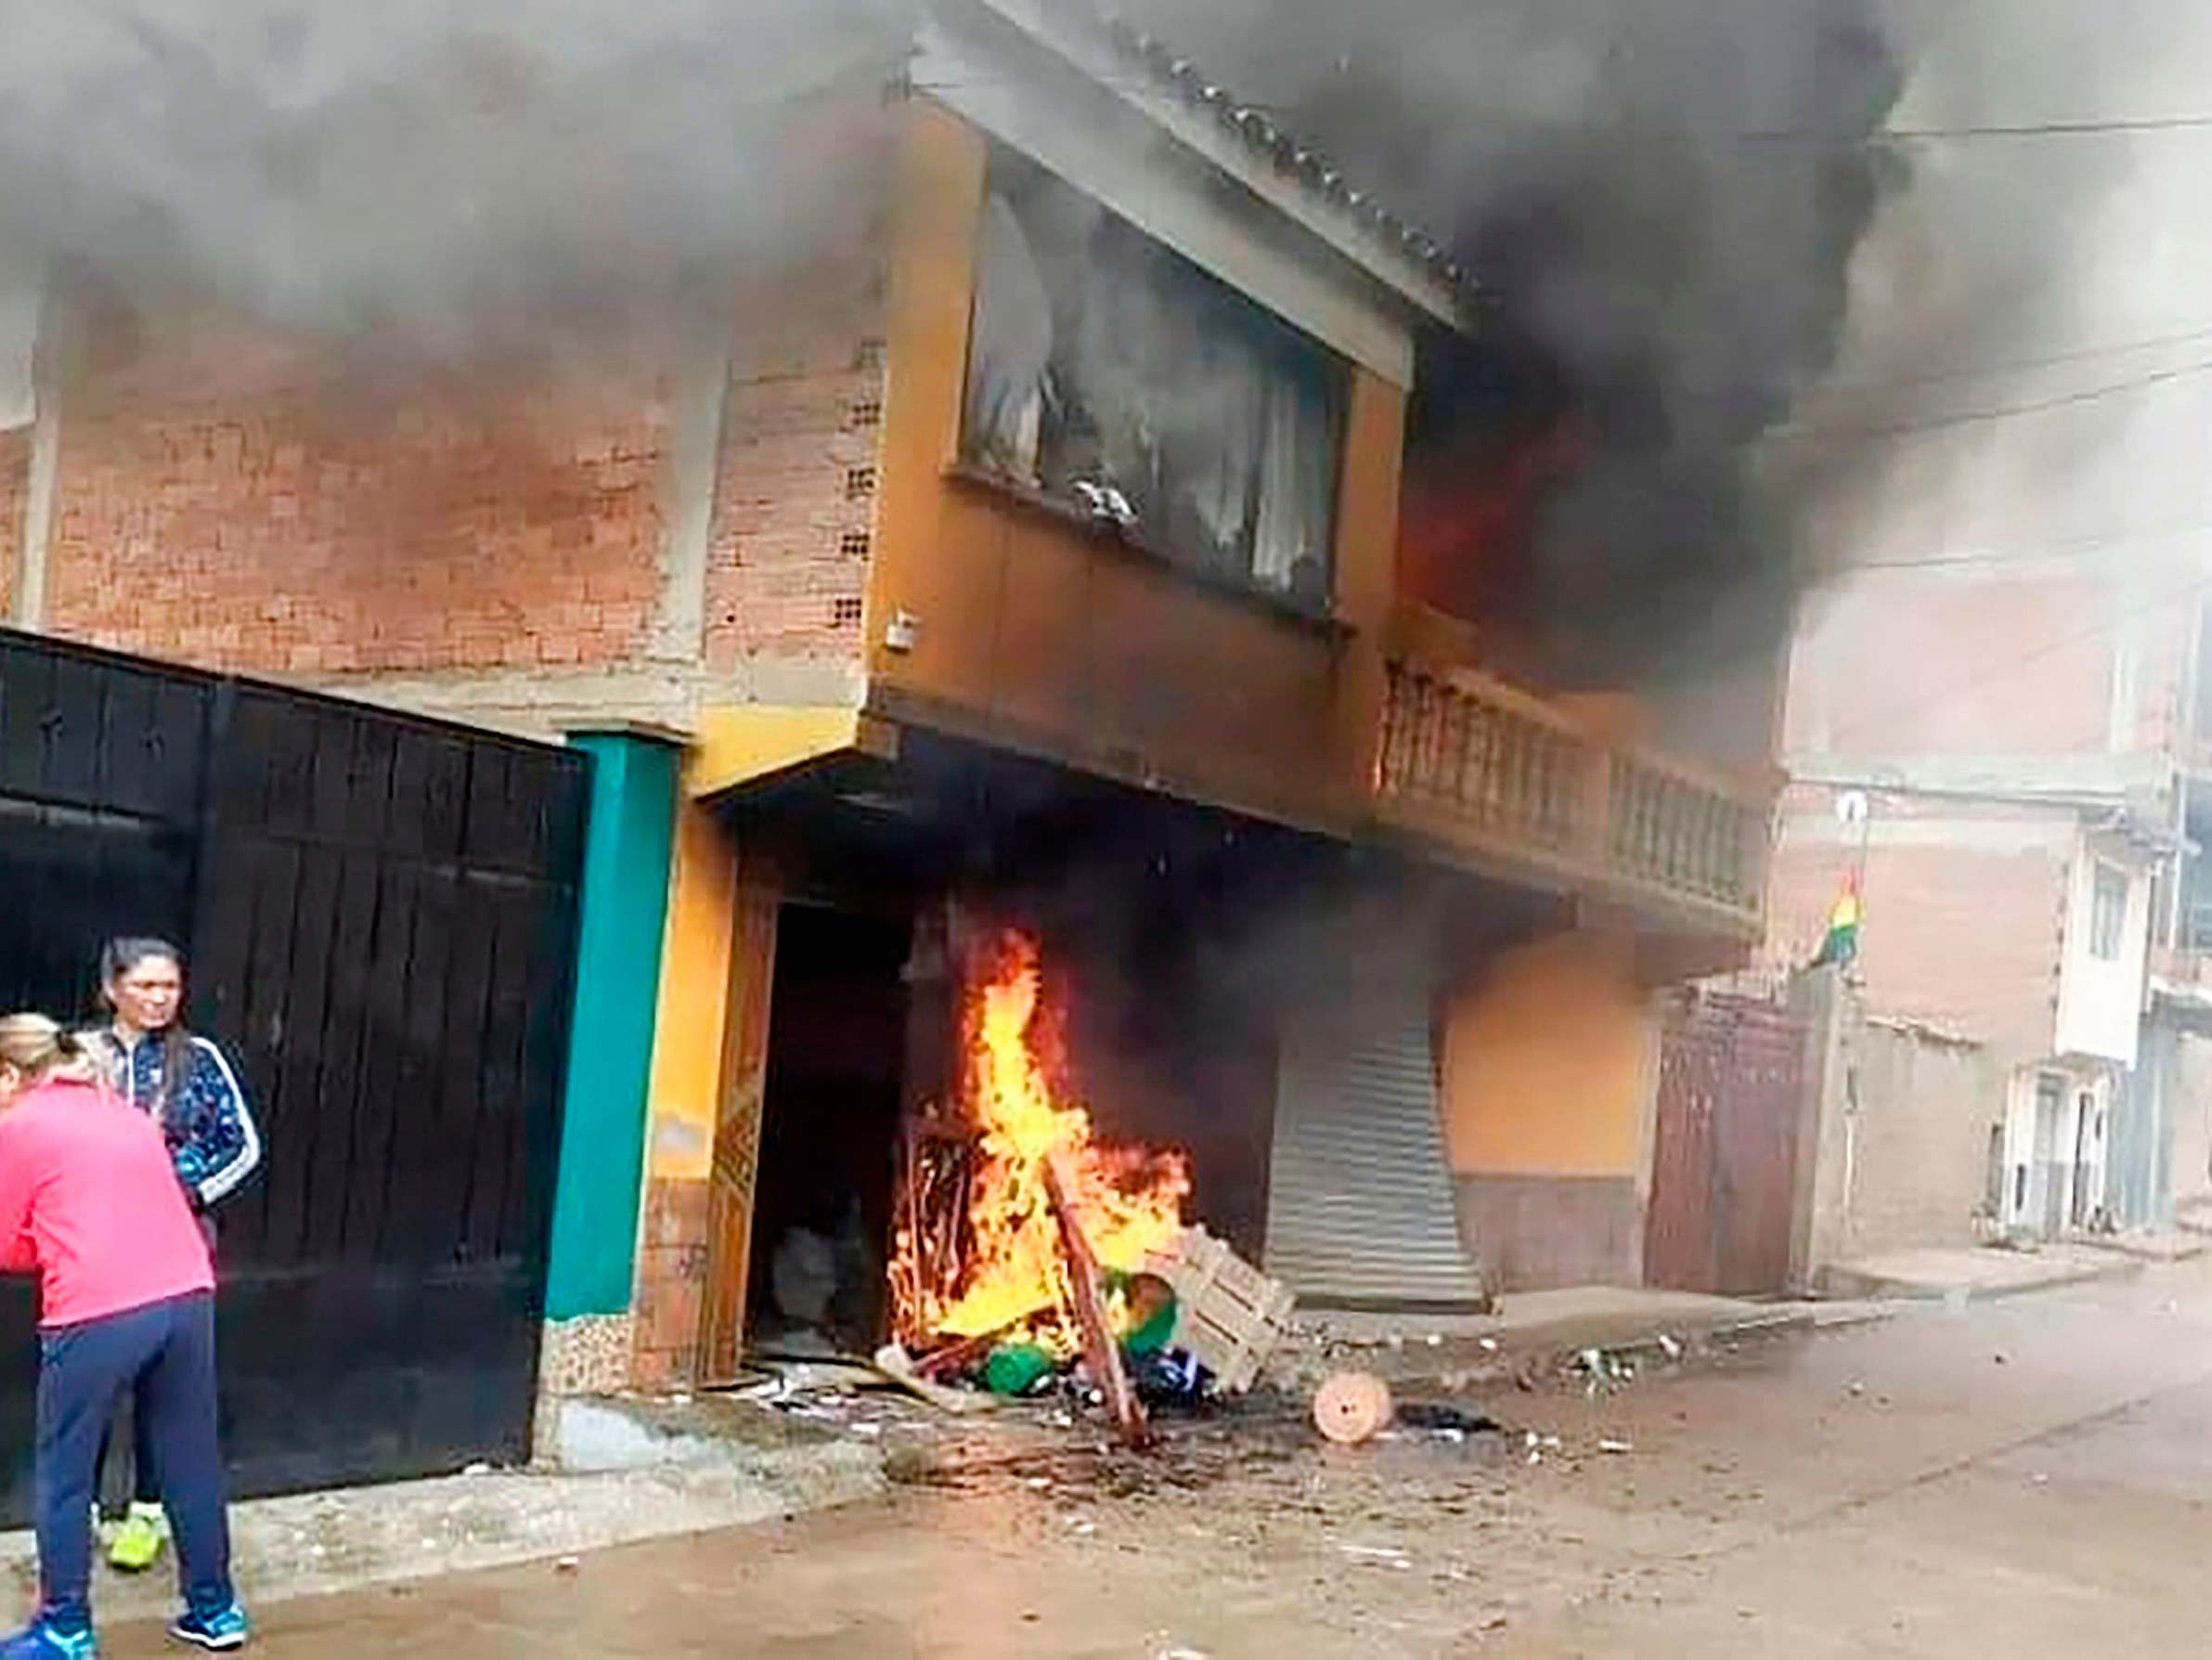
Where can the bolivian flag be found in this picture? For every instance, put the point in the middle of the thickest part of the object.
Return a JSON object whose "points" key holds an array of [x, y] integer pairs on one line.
{"points": [[1841, 943]]}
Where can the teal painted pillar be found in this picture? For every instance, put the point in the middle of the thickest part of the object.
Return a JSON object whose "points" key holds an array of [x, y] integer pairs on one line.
{"points": [[622, 916]]}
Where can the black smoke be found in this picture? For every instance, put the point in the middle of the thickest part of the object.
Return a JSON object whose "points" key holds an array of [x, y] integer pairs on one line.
{"points": [[1659, 200]]}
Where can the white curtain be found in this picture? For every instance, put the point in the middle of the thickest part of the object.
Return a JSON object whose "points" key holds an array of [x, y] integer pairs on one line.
{"points": [[1010, 353], [1297, 484]]}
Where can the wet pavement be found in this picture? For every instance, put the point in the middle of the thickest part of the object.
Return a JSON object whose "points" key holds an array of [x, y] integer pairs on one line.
{"points": [[2029, 1477]]}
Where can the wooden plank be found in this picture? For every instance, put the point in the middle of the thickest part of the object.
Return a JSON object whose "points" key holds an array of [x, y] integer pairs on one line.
{"points": [[73, 728], [335, 786], [177, 757], [26, 691], [502, 1120], [406, 828], [125, 711], [445, 795], [257, 1043], [526, 1212], [1100, 1351], [441, 1196], [373, 786], [381, 1072], [344, 1058], [408, 1232], [294, 1144], [295, 736]]}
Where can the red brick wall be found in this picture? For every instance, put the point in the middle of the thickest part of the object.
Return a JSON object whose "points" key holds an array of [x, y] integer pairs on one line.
{"points": [[796, 497], [1964, 934], [233, 508], [15, 482]]}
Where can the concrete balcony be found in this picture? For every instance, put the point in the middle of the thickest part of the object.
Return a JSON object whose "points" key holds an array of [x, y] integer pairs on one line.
{"points": [[1498, 777]]}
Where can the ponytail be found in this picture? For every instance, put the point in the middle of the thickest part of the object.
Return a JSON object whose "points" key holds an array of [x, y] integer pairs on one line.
{"points": [[40, 1048]]}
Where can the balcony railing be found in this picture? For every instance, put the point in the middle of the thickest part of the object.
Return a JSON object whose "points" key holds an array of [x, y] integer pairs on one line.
{"points": [[1501, 773]]}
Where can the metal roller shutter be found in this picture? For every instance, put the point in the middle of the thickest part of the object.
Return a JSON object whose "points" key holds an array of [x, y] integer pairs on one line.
{"points": [[1359, 1207]]}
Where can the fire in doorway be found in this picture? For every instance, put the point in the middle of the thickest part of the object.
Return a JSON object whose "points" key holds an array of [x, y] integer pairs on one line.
{"points": [[977, 1249]]}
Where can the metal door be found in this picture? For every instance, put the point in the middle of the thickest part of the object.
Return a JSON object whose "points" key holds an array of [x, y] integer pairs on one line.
{"points": [[1361, 1213], [1724, 1178], [380, 916]]}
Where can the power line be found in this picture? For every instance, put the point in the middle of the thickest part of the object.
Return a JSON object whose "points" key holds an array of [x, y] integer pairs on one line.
{"points": [[2014, 364], [2102, 127], [2073, 548], [1977, 417]]}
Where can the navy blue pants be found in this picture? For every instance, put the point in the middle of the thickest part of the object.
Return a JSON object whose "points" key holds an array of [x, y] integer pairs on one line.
{"points": [[143, 1490], [165, 1355]]}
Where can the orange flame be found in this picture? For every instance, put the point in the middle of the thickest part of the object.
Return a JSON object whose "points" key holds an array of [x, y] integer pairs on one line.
{"points": [[1127, 1201]]}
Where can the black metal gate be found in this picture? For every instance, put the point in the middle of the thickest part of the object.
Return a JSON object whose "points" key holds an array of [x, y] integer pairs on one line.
{"points": [[381, 915]]}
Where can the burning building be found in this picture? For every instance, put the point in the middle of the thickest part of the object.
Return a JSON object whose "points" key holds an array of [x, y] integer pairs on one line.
{"points": [[1032, 556]]}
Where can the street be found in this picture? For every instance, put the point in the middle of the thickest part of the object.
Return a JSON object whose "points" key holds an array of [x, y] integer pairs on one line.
{"points": [[2029, 1475]]}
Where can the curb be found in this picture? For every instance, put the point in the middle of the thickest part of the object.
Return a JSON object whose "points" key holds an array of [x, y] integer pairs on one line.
{"points": [[1904, 1290], [319, 1544]]}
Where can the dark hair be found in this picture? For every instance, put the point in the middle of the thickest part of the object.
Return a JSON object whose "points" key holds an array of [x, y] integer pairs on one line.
{"points": [[121, 955]]}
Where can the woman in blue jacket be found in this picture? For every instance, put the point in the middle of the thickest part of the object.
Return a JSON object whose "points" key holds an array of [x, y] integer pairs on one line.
{"points": [[187, 1084]]}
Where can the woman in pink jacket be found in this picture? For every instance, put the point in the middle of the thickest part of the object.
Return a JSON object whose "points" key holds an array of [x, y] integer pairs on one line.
{"points": [[89, 1202]]}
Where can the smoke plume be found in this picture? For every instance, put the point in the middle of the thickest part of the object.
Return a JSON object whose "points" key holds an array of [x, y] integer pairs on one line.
{"points": [[1660, 204], [457, 179]]}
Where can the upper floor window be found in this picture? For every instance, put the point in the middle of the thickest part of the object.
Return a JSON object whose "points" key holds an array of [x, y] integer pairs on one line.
{"points": [[2108, 913], [1112, 373]]}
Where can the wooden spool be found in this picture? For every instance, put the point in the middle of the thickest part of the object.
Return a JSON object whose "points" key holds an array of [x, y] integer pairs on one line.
{"points": [[1351, 1406]]}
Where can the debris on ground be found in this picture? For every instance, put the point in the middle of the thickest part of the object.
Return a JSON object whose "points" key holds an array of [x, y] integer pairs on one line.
{"points": [[895, 1363], [1385, 1556], [1446, 1420], [1603, 1370]]}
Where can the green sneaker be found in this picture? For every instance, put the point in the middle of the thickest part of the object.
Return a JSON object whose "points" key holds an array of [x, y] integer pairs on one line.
{"points": [[139, 1539]]}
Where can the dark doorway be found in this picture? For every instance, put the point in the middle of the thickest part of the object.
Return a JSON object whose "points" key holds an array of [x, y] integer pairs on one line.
{"points": [[830, 1130], [2084, 1109]]}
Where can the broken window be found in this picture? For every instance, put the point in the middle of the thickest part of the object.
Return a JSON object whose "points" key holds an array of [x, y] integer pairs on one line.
{"points": [[1115, 375]]}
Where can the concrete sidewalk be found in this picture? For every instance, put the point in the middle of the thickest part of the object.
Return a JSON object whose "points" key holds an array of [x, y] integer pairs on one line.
{"points": [[657, 1480], [1536, 1330], [1975, 1275], [2178, 1246]]}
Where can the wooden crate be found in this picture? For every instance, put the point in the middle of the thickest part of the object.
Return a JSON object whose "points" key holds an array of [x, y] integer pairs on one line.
{"points": [[1228, 1314]]}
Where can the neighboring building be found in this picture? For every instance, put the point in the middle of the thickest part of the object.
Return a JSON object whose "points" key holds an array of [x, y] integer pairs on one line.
{"points": [[1032, 556], [2023, 744], [2006, 658]]}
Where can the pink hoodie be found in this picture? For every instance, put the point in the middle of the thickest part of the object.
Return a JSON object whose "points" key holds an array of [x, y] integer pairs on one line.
{"points": [[89, 1201]]}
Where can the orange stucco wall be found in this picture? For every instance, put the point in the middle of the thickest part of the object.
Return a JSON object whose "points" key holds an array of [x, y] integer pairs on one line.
{"points": [[1034, 632], [1548, 1061]]}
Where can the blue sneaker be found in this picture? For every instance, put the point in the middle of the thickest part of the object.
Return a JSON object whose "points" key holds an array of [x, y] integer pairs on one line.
{"points": [[41, 1641], [223, 1630]]}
